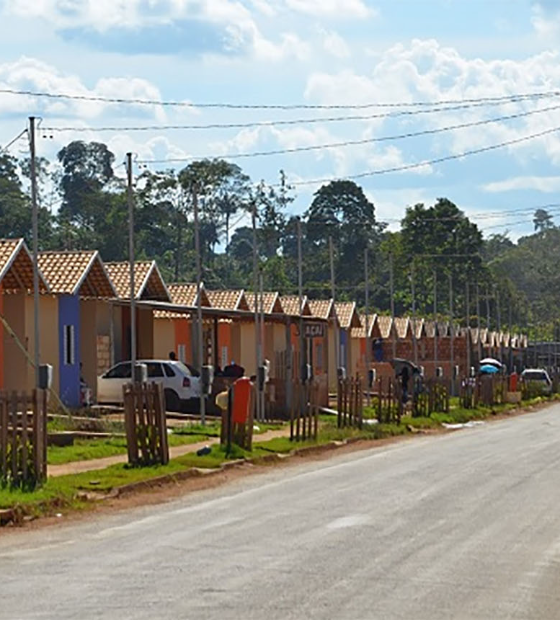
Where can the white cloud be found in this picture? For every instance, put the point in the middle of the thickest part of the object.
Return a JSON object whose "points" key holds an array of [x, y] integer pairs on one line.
{"points": [[545, 184], [335, 45], [339, 9]]}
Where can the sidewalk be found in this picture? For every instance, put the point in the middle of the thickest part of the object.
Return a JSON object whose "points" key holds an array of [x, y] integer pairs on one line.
{"points": [[78, 467]]}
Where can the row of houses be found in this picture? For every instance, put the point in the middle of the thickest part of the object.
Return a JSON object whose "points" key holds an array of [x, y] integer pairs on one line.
{"points": [[85, 327]]}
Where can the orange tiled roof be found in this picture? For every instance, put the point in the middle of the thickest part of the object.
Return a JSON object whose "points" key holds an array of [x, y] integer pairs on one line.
{"points": [[16, 267], [385, 326], [76, 273], [291, 305], [228, 300], [271, 303], [347, 314], [402, 325], [430, 327], [360, 332], [148, 283], [419, 327], [185, 295], [321, 308]]}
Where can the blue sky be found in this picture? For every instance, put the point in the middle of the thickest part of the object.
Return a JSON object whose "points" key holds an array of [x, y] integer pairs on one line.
{"points": [[303, 51]]}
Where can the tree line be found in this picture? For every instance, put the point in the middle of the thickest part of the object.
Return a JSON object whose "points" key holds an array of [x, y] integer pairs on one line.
{"points": [[438, 252]]}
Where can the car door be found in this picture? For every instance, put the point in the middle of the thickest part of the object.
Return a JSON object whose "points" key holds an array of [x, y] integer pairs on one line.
{"points": [[110, 385], [155, 372]]}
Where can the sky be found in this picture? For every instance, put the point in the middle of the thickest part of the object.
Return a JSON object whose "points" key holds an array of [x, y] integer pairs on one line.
{"points": [[366, 53]]}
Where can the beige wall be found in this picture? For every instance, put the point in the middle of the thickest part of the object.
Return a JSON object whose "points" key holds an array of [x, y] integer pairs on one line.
{"points": [[248, 350], [235, 345], [49, 336], [164, 338], [333, 380], [15, 362]]}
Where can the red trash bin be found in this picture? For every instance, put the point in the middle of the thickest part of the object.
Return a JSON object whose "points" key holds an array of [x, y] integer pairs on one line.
{"points": [[241, 400]]}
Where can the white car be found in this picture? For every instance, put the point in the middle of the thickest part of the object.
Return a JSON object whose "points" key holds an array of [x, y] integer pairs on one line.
{"points": [[181, 383]]}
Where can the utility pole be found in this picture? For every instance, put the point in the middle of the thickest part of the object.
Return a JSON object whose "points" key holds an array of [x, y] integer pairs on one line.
{"points": [[435, 324], [468, 318], [35, 228], [256, 303], [413, 291], [392, 285], [199, 325], [478, 321], [452, 336], [333, 294], [488, 324], [368, 342], [131, 265], [303, 356], [262, 340]]}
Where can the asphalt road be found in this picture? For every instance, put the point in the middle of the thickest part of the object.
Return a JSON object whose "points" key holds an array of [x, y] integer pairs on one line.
{"points": [[457, 526]]}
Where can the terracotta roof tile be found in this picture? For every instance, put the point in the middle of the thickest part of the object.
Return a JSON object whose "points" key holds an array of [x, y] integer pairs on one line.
{"points": [[148, 283], [347, 314], [271, 303], [321, 308], [419, 326], [385, 326], [228, 300], [360, 332], [402, 325], [185, 295], [74, 273], [291, 305], [16, 267]]}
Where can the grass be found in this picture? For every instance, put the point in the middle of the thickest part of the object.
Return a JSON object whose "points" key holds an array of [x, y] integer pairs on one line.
{"points": [[64, 492]]}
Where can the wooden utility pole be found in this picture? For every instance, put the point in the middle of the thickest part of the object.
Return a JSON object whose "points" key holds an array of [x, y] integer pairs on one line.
{"points": [[199, 325], [451, 336], [333, 294], [478, 322], [435, 324], [413, 291], [468, 319], [35, 229], [392, 286], [368, 341], [131, 266]]}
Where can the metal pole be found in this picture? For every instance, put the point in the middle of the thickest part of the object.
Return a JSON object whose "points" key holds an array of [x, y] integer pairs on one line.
{"points": [[258, 355], [392, 285], [435, 324], [488, 323], [35, 227], [368, 342], [333, 293], [199, 326], [478, 322], [452, 336], [303, 356], [262, 340], [413, 291], [131, 265], [468, 318]]}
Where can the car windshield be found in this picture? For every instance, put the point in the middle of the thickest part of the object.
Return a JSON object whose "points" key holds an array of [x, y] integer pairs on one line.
{"points": [[534, 375], [187, 369]]}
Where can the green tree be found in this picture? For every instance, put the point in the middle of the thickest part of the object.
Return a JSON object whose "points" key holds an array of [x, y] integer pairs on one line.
{"points": [[542, 220]]}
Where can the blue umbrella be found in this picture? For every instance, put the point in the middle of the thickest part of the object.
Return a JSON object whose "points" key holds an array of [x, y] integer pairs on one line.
{"points": [[489, 369]]}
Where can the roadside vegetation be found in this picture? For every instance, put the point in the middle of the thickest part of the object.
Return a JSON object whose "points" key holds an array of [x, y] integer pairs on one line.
{"points": [[76, 491]]}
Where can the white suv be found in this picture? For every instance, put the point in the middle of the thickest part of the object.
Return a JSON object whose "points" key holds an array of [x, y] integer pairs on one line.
{"points": [[181, 383]]}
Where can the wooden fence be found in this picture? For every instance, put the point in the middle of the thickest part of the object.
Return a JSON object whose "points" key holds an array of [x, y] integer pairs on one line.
{"points": [[432, 396], [146, 424], [387, 400], [23, 439], [304, 417], [488, 390], [350, 399]]}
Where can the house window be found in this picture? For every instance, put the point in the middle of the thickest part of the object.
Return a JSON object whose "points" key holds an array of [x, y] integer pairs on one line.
{"points": [[182, 350], [69, 340]]}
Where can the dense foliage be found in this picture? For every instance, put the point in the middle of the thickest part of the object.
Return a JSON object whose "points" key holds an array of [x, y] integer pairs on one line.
{"points": [[437, 252]]}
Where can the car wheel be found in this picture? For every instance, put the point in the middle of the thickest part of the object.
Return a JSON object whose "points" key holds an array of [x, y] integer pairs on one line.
{"points": [[172, 401]]}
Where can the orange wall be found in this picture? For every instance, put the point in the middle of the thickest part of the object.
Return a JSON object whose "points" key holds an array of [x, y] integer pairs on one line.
{"points": [[183, 337]]}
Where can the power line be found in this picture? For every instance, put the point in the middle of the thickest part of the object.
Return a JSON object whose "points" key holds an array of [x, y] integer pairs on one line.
{"points": [[273, 123], [430, 162], [347, 143], [290, 106]]}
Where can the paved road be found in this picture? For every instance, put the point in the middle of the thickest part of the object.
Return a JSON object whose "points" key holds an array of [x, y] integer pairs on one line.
{"points": [[458, 526]]}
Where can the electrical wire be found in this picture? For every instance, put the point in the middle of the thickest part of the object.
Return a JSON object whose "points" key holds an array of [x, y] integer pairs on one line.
{"points": [[347, 143], [273, 123], [290, 106], [430, 162], [486, 215], [12, 142]]}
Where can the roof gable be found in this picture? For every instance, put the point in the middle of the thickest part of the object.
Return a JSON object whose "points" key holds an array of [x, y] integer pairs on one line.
{"points": [[403, 327], [185, 295], [228, 300], [322, 308], [271, 303], [347, 314], [76, 273], [148, 282], [291, 305], [386, 326], [360, 332], [16, 268]]}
